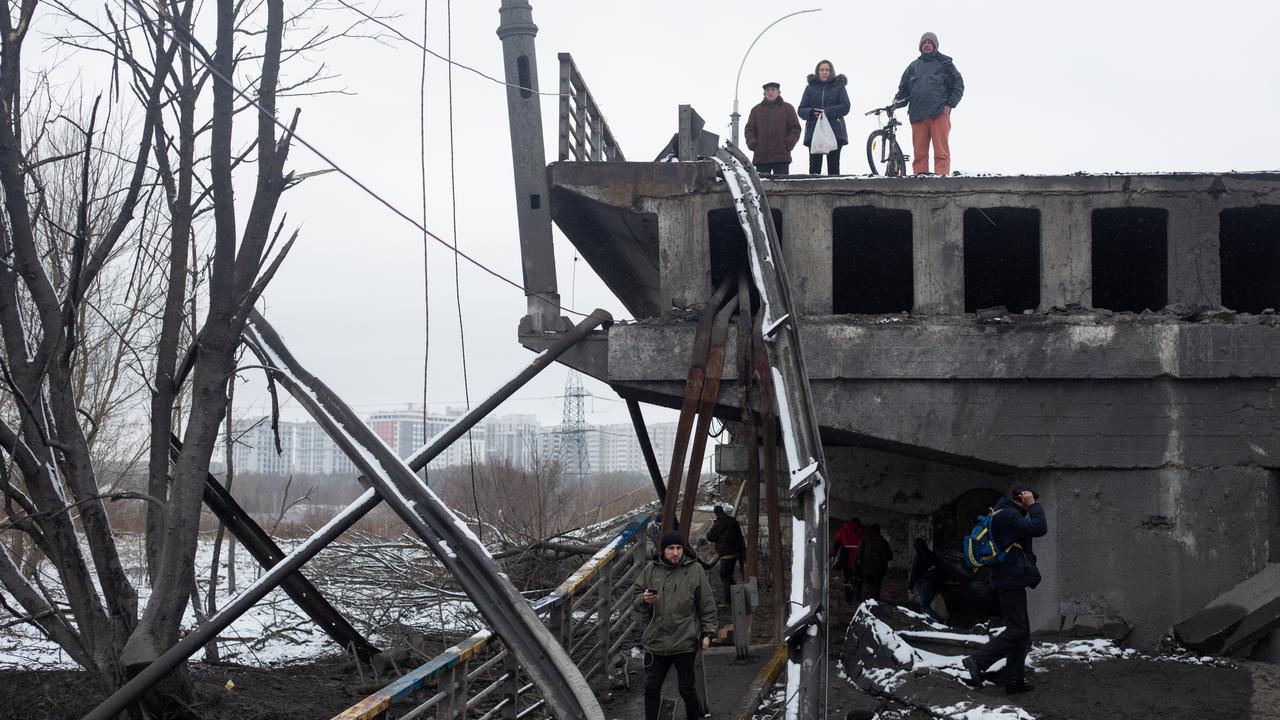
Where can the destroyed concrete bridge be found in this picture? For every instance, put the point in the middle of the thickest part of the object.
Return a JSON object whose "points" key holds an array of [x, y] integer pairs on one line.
{"points": [[1110, 339], [919, 345]]}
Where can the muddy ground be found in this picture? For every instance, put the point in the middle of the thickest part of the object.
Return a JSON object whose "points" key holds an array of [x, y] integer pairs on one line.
{"points": [[312, 690]]}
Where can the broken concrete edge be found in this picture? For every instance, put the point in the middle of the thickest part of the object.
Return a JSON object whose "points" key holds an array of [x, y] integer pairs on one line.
{"points": [[1237, 618], [763, 683]]}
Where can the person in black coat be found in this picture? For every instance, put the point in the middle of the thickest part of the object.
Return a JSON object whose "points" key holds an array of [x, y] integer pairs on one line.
{"points": [[1017, 520], [726, 533], [874, 555], [925, 576], [931, 86], [825, 95]]}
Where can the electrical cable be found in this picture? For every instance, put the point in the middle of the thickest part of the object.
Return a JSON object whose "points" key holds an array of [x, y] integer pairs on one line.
{"points": [[426, 241], [217, 75], [457, 277], [423, 46]]}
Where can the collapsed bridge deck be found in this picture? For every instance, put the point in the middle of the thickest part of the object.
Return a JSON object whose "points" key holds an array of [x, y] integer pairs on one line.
{"points": [[1131, 374]]}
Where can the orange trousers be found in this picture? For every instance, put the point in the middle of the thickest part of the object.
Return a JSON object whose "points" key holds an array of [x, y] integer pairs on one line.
{"points": [[936, 130]]}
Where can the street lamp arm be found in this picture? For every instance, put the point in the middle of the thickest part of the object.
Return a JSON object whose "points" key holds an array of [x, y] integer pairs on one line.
{"points": [[738, 80]]}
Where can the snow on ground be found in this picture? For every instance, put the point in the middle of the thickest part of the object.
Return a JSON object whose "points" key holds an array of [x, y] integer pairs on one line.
{"points": [[380, 587], [896, 662]]}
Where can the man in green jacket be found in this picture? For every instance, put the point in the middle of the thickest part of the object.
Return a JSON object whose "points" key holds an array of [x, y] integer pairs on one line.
{"points": [[674, 601]]}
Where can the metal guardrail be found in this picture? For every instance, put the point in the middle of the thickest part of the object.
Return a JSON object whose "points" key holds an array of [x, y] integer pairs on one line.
{"points": [[584, 133], [588, 613], [806, 627]]}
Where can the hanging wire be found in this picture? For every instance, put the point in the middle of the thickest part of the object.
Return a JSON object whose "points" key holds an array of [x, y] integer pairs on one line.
{"points": [[449, 59], [457, 278], [426, 241], [217, 75]]}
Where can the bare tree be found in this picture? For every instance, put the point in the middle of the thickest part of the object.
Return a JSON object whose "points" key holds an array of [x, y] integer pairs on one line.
{"points": [[162, 202]]}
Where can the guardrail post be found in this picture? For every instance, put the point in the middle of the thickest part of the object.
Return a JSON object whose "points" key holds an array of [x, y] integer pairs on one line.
{"points": [[455, 686], [597, 137], [562, 622], [604, 603], [580, 120], [566, 89], [511, 688]]}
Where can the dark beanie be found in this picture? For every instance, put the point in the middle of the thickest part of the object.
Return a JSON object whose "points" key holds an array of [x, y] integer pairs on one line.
{"points": [[669, 538], [1021, 488], [927, 36]]}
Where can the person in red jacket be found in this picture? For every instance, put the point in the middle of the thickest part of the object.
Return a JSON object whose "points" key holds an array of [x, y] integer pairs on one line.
{"points": [[773, 129], [845, 551]]}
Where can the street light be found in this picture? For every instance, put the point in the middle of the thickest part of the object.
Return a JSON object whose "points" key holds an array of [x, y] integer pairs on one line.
{"points": [[733, 119]]}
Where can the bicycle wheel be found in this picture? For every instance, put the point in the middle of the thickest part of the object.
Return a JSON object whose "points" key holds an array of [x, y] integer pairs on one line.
{"points": [[878, 145], [897, 164]]}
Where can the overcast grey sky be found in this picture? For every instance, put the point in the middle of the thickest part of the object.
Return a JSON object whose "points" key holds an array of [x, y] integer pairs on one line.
{"points": [[1051, 88]]}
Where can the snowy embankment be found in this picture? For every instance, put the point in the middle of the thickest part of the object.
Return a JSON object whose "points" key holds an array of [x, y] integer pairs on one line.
{"points": [[385, 588]]}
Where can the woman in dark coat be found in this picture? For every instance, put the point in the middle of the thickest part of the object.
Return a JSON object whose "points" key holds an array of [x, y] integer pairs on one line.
{"points": [[825, 95]]}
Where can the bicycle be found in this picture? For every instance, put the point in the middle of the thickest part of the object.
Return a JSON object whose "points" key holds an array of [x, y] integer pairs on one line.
{"points": [[884, 155]]}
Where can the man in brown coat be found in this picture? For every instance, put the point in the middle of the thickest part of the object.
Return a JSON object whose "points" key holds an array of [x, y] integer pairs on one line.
{"points": [[773, 128]]}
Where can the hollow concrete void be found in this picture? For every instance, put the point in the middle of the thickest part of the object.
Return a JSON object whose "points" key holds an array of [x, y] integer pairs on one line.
{"points": [[1249, 248], [871, 261], [1130, 258], [728, 244], [1001, 258]]}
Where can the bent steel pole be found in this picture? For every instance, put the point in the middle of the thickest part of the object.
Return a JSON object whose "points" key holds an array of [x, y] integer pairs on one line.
{"points": [[646, 448], [689, 407], [289, 564], [544, 660], [807, 623], [263, 549], [198, 638]]}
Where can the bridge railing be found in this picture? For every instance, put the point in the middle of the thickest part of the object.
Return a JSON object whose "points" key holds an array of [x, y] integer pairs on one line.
{"points": [[584, 133], [478, 678]]}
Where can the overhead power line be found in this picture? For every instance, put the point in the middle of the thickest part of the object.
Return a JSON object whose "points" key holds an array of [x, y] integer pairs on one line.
{"points": [[208, 65]]}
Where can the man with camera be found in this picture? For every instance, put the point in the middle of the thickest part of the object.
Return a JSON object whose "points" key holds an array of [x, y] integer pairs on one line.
{"points": [[1016, 520]]}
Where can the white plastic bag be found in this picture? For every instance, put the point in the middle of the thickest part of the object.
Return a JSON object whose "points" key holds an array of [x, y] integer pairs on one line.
{"points": [[824, 138]]}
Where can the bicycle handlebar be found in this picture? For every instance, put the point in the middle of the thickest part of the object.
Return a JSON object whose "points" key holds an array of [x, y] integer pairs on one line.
{"points": [[887, 109]]}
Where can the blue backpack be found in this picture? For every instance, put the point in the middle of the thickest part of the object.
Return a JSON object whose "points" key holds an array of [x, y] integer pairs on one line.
{"points": [[980, 547]]}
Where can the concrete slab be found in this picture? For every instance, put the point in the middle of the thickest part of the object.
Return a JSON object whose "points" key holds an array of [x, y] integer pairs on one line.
{"points": [[1236, 619]]}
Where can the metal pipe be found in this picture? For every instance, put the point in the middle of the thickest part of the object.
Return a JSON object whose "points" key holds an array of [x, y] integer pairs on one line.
{"points": [[750, 432], [706, 410], [259, 544], [769, 419], [189, 645], [646, 448], [807, 689], [450, 540], [689, 407]]}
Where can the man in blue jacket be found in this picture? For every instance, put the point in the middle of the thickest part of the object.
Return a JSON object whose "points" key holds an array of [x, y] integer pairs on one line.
{"points": [[931, 86], [1017, 520]]}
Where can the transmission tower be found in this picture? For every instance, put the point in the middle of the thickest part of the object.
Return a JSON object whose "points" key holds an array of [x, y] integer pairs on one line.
{"points": [[575, 461]]}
